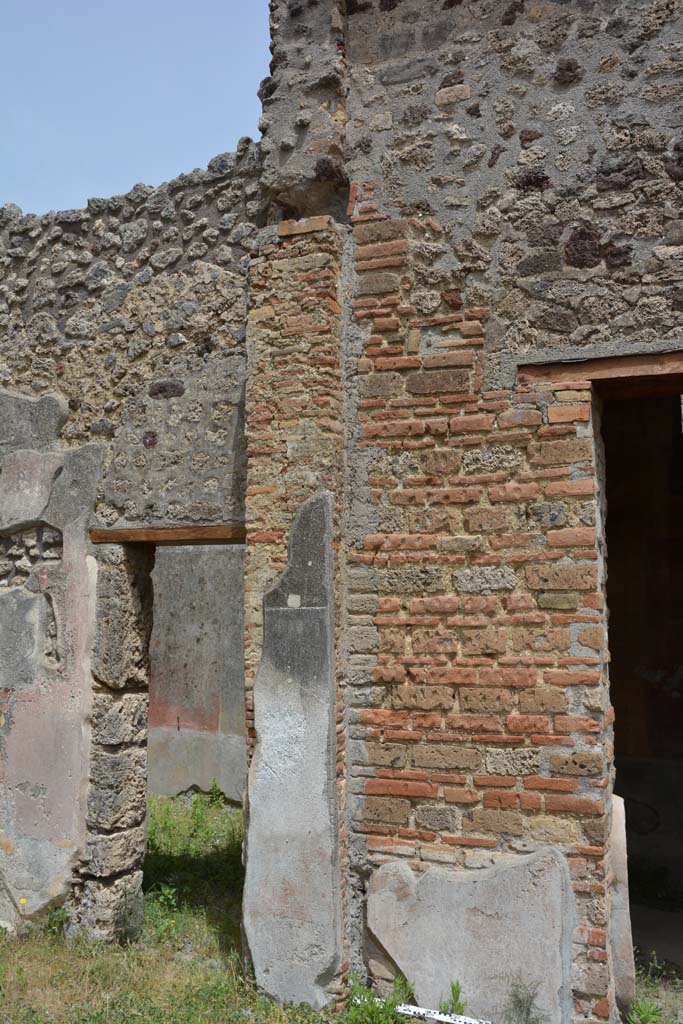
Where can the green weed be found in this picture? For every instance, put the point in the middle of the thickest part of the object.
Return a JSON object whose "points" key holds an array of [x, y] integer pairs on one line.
{"points": [[365, 1007], [645, 1011], [521, 1006], [167, 895], [215, 794], [455, 1003], [57, 919], [185, 969], [660, 983]]}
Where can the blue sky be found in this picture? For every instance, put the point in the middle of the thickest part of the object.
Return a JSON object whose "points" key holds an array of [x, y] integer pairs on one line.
{"points": [[96, 96]]}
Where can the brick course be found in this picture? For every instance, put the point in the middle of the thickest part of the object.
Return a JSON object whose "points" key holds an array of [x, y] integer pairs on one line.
{"points": [[473, 683], [466, 715]]}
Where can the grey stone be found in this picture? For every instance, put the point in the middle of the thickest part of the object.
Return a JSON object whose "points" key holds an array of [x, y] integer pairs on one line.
{"points": [[118, 788], [133, 234], [75, 488], [57, 488], [485, 580], [124, 617], [292, 916], [107, 910], [22, 630], [30, 422], [117, 720], [506, 761], [161, 389], [487, 929], [621, 940], [28, 478], [591, 979], [113, 854], [9, 911], [162, 260], [491, 459]]}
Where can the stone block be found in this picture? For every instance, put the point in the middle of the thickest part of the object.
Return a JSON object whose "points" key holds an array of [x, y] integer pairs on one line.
{"points": [[621, 940], [119, 720], [23, 624], [292, 894], [104, 911], [73, 494], [487, 929], [485, 580], [46, 629], [113, 854], [30, 422], [448, 756], [124, 618], [27, 481], [118, 788], [387, 810], [452, 94]]}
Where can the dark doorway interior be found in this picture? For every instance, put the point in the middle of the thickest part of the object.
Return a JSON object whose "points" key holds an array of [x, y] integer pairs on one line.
{"points": [[644, 458]]}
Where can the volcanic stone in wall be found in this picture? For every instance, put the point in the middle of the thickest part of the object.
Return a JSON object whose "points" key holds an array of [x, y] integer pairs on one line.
{"points": [[179, 453]]}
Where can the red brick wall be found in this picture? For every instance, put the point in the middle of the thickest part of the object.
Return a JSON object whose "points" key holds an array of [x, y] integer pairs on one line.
{"points": [[294, 398], [473, 625], [493, 730], [294, 414]]}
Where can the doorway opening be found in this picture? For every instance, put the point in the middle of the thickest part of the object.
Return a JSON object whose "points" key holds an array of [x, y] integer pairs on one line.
{"points": [[197, 750], [643, 439]]}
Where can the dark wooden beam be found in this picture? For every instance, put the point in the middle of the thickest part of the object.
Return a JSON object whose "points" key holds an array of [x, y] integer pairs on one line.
{"points": [[234, 533], [612, 368]]}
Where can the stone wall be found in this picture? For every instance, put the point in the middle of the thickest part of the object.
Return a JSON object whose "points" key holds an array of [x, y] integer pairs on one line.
{"points": [[134, 309], [105, 901], [517, 201], [47, 616], [451, 202], [295, 485], [544, 138], [481, 726], [304, 114]]}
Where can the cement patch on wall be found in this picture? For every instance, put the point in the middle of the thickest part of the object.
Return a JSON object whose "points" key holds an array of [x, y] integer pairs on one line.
{"points": [[487, 928], [197, 711], [292, 916]]}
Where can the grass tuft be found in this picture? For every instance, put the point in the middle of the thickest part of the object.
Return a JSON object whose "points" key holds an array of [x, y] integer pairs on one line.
{"points": [[659, 988], [185, 969]]}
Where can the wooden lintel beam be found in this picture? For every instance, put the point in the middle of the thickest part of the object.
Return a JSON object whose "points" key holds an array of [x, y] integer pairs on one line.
{"points": [[234, 533], [614, 368]]}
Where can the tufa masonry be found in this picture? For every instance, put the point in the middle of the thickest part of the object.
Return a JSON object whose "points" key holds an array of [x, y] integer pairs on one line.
{"points": [[379, 342]]}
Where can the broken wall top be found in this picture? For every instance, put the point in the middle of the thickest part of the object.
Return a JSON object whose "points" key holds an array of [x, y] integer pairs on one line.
{"points": [[134, 310]]}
